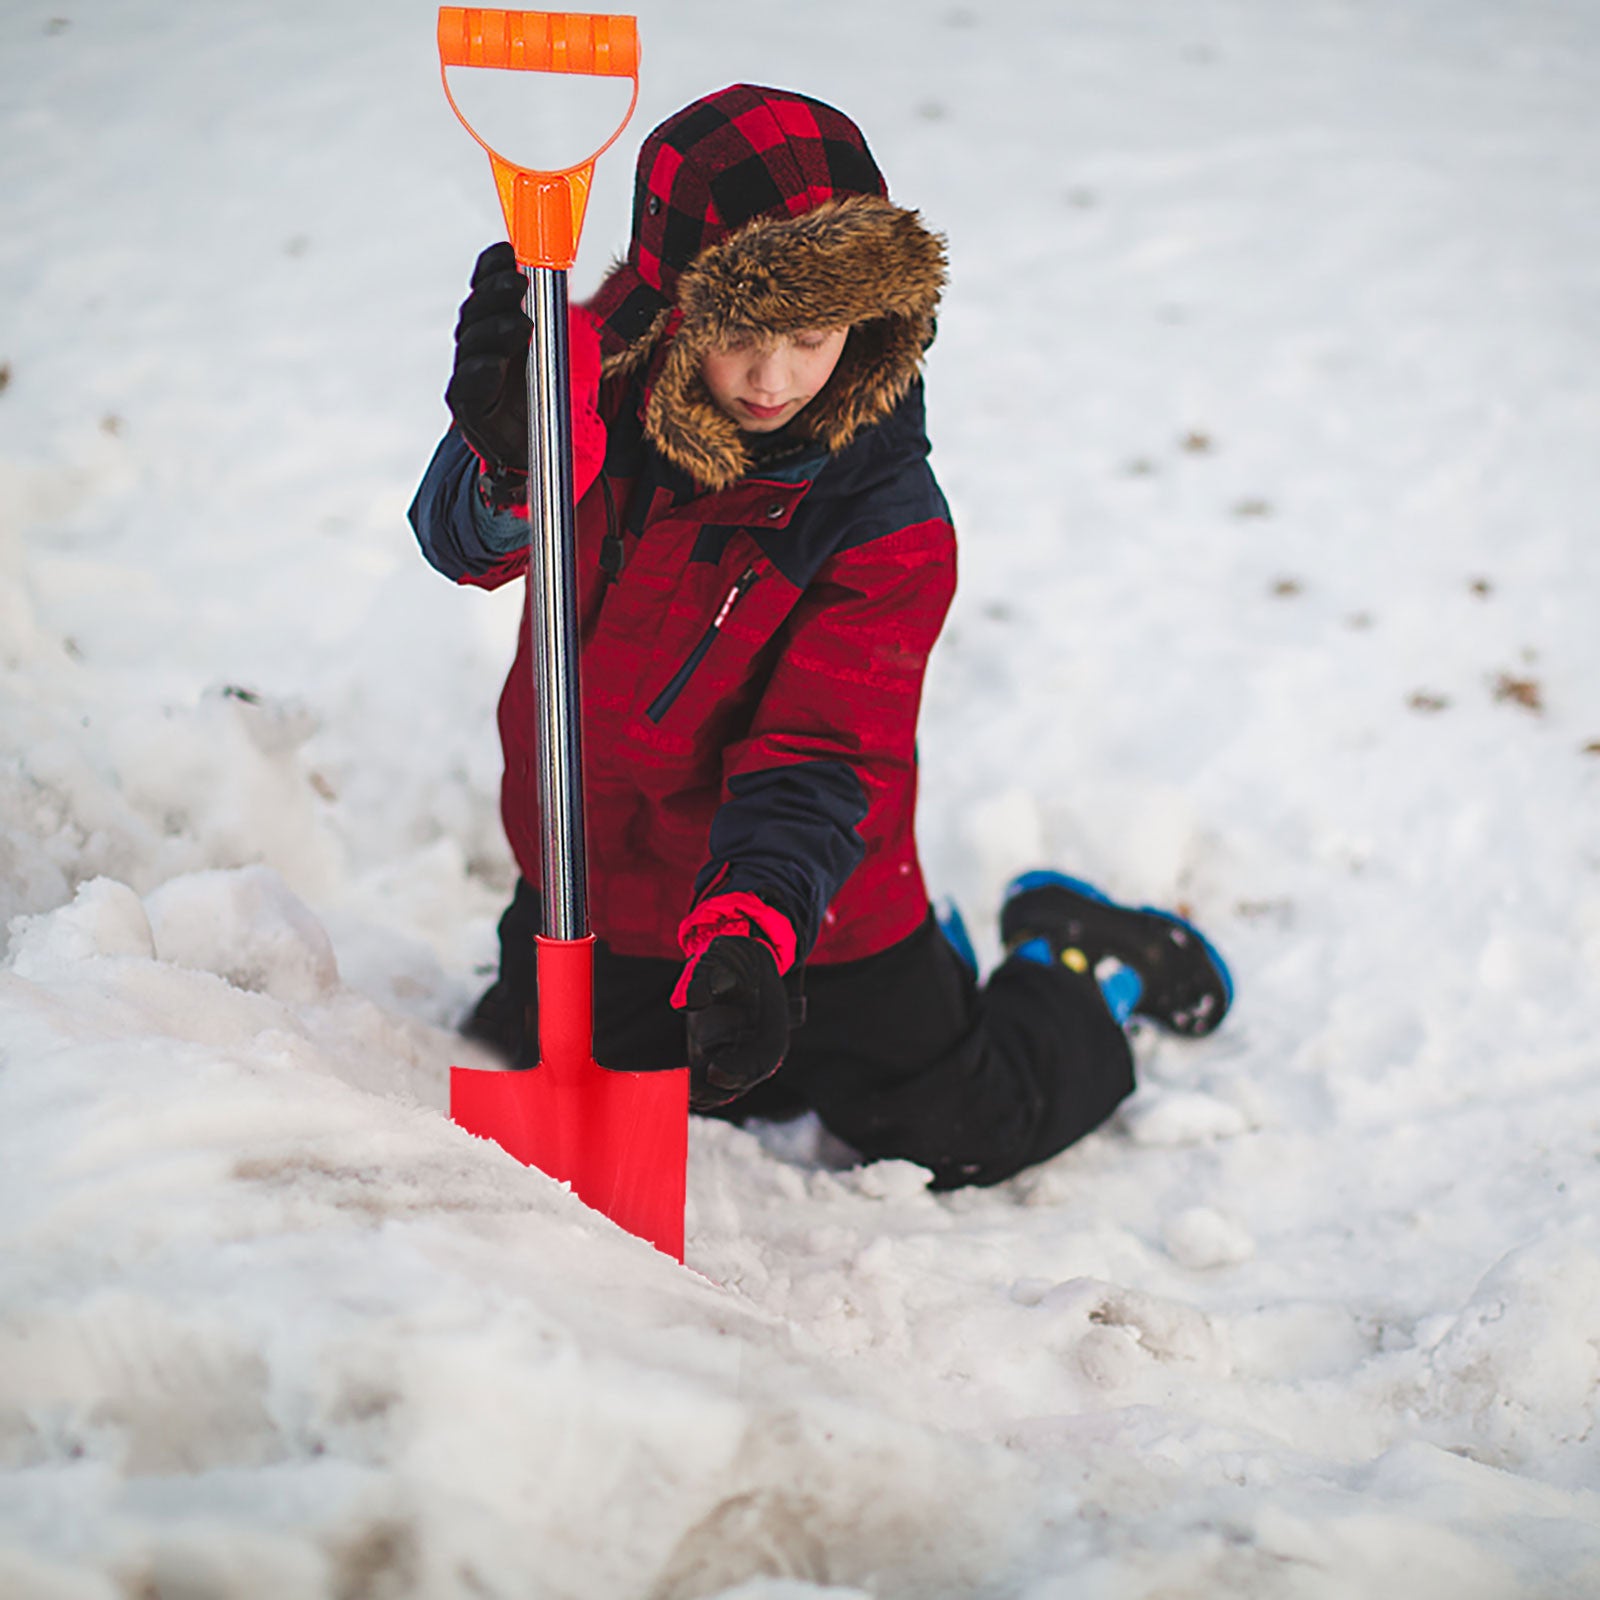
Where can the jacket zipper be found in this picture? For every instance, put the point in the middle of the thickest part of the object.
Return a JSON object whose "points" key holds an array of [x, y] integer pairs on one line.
{"points": [[662, 703], [613, 551]]}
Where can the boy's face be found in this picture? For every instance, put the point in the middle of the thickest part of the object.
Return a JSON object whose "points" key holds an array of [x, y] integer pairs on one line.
{"points": [[764, 383]]}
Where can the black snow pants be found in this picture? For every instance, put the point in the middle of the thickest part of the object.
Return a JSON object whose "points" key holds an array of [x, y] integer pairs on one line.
{"points": [[901, 1054]]}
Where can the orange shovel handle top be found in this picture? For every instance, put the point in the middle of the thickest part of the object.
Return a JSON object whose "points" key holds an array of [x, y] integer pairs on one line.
{"points": [[539, 41], [543, 210]]}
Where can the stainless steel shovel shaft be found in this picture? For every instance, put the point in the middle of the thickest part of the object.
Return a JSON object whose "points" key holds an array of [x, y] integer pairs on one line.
{"points": [[553, 610]]}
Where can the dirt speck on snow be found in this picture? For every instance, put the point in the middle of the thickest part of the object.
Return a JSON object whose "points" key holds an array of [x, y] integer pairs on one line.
{"points": [[1525, 692]]}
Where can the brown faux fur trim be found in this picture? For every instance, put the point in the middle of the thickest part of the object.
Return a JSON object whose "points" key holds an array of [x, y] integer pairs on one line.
{"points": [[859, 262]]}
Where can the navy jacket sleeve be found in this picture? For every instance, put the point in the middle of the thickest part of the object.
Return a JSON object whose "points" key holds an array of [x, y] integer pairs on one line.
{"points": [[460, 536]]}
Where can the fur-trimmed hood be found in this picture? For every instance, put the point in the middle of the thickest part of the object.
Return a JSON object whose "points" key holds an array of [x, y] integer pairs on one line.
{"points": [[859, 263], [759, 212]]}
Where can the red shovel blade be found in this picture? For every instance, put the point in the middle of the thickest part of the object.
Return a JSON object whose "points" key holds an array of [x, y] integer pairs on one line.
{"points": [[621, 1139]]}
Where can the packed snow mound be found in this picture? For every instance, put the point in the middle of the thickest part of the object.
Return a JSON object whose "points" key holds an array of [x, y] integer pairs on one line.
{"points": [[248, 928], [106, 918]]}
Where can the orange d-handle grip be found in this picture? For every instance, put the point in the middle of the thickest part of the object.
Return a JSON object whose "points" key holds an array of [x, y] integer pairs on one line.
{"points": [[543, 210]]}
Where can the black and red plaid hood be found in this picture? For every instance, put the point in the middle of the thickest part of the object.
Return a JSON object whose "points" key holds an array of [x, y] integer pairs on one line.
{"points": [[761, 211]]}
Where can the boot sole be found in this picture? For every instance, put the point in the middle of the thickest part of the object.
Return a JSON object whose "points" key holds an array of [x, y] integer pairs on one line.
{"points": [[1187, 986]]}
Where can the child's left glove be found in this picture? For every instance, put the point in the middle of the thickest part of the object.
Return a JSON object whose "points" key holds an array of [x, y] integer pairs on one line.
{"points": [[733, 995]]}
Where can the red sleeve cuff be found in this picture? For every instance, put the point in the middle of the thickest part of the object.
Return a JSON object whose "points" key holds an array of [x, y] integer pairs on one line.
{"points": [[742, 915]]}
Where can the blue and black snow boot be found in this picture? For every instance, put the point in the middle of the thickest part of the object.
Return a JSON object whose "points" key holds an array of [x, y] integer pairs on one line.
{"points": [[1183, 984]]}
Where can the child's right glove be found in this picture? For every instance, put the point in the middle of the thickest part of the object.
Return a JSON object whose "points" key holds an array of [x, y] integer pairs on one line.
{"points": [[488, 390], [733, 996]]}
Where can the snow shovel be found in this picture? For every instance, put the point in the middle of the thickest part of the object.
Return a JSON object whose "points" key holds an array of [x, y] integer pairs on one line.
{"points": [[619, 1138]]}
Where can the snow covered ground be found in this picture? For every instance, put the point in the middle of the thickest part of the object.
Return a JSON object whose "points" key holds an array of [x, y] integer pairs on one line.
{"points": [[1266, 395]]}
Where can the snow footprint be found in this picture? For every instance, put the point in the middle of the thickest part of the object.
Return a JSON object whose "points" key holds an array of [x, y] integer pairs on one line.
{"points": [[1181, 1117], [1515, 1375], [1117, 1336]]}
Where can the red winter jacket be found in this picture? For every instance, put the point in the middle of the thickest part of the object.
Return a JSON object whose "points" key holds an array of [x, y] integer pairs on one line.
{"points": [[752, 663]]}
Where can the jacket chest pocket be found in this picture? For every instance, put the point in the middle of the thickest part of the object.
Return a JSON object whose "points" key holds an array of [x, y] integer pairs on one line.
{"points": [[691, 663]]}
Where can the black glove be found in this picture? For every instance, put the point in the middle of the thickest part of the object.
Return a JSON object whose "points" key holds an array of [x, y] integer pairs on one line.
{"points": [[737, 1011], [488, 390]]}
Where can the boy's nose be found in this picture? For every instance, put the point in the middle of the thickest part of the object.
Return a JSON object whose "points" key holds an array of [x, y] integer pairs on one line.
{"points": [[769, 374]]}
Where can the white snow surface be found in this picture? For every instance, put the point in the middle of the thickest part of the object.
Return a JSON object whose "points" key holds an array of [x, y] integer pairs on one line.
{"points": [[1266, 396]]}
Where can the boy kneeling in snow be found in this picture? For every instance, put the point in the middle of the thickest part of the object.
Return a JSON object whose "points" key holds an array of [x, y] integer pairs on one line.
{"points": [[764, 562]]}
